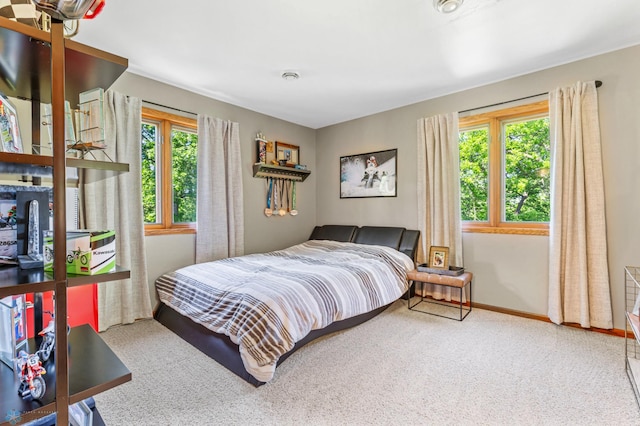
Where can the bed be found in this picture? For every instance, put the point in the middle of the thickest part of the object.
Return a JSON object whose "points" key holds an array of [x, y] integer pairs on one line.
{"points": [[250, 313]]}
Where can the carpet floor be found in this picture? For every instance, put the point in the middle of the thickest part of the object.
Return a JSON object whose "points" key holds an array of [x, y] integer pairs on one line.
{"points": [[402, 367]]}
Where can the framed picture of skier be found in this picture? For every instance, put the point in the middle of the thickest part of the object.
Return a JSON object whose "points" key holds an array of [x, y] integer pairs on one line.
{"points": [[369, 175]]}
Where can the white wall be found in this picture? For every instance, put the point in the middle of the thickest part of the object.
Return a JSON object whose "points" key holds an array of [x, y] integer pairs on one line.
{"points": [[510, 270]]}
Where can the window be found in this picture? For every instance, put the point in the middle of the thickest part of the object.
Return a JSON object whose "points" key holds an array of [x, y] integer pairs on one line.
{"points": [[504, 171], [169, 178]]}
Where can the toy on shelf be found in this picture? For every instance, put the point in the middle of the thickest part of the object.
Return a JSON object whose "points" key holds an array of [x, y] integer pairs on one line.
{"points": [[48, 340], [31, 370]]}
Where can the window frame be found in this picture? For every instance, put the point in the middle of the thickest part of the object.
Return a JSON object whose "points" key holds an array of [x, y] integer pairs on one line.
{"points": [[166, 121], [494, 121]]}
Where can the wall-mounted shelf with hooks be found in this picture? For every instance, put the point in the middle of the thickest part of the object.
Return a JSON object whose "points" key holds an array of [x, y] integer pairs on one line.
{"points": [[261, 170]]}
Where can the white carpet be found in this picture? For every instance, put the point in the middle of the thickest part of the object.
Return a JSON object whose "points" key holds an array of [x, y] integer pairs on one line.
{"points": [[402, 367]]}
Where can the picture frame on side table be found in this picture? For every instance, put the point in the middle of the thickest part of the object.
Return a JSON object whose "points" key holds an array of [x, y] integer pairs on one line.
{"points": [[439, 257], [373, 174], [10, 140]]}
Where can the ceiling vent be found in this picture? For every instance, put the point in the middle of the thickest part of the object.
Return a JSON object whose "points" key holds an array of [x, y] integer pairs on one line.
{"points": [[447, 6]]}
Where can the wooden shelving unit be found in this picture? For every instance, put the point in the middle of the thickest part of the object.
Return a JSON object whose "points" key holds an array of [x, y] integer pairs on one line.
{"points": [[261, 170], [44, 67]]}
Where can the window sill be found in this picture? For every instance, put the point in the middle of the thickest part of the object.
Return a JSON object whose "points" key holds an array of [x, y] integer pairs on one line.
{"points": [[520, 229], [168, 231]]}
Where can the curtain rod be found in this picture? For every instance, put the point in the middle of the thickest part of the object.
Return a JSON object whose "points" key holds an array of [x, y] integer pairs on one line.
{"points": [[164, 106], [598, 84]]}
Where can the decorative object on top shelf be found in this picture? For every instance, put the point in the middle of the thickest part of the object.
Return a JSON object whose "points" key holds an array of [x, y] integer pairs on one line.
{"points": [[264, 149], [23, 11], [70, 9], [88, 252], [439, 257], [369, 175], [287, 155], [13, 327], [261, 145], [69, 128], [9, 129], [90, 122]]}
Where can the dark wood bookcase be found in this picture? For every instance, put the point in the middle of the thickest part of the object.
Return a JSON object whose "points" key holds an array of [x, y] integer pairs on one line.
{"points": [[44, 67]]}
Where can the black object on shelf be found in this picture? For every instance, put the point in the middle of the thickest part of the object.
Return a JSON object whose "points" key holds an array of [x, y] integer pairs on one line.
{"points": [[453, 271]]}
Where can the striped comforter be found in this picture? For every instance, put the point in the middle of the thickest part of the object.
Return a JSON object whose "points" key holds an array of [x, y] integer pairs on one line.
{"points": [[267, 302]]}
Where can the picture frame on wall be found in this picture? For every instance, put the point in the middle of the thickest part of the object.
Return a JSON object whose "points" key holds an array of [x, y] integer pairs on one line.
{"points": [[10, 140], [439, 257], [373, 174], [287, 154]]}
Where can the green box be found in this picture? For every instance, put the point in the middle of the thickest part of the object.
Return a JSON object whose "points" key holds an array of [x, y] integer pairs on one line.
{"points": [[88, 252]]}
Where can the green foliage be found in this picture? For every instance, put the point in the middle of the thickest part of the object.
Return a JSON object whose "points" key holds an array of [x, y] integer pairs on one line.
{"points": [[184, 146], [474, 174], [184, 175], [527, 171], [149, 167]]}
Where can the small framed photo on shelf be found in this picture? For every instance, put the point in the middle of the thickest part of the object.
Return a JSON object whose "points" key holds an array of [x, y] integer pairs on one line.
{"points": [[10, 140], [439, 257], [287, 154]]}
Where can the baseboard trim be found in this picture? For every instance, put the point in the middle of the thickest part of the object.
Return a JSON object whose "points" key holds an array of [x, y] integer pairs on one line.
{"points": [[613, 332]]}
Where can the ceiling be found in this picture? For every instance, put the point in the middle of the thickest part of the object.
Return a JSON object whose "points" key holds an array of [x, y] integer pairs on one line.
{"points": [[354, 57]]}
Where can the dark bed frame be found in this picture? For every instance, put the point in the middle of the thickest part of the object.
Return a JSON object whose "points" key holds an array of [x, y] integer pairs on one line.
{"points": [[222, 349]]}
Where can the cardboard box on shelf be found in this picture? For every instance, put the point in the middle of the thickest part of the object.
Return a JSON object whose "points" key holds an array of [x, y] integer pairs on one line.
{"points": [[88, 252]]}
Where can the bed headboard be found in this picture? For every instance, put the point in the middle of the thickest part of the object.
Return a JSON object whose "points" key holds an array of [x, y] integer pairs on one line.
{"points": [[401, 239], [343, 233], [379, 236]]}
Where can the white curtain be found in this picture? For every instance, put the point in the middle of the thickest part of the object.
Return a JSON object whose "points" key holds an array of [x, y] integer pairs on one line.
{"points": [[439, 192], [579, 289], [114, 201], [220, 215]]}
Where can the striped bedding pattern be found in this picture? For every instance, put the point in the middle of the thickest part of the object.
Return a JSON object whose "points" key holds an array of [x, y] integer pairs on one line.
{"points": [[267, 302]]}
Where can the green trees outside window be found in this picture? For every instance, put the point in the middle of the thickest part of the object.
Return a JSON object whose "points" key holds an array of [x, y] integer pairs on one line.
{"points": [[474, 174], [150, 173], [169, 146], [184, 175], [526, 176], [505, 169]]}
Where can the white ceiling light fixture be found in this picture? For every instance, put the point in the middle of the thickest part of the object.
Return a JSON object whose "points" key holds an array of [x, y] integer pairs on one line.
{"points": [[447, 6], [290, 75]]}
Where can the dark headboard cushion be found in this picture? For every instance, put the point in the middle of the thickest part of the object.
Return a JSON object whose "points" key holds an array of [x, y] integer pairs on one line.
{"points": [[379, 235], [401, 239], [343, 233], [409, 243]]}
